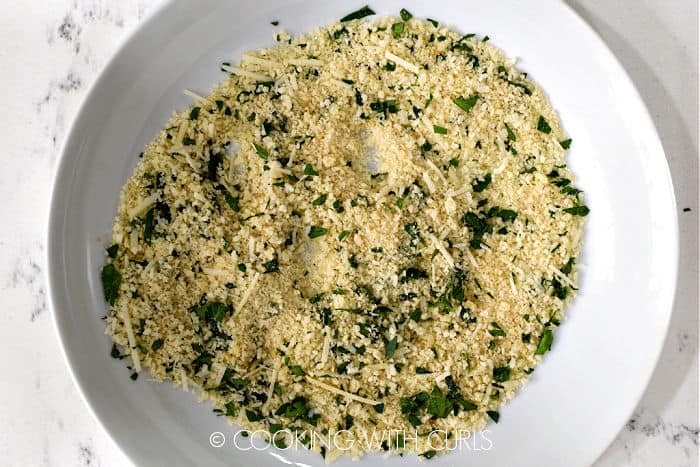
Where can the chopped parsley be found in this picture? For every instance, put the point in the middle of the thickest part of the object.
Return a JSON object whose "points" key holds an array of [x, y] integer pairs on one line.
{"points": [[213, 310], [405, 14], [411, 406], [111, 280], [438, 404], [253, 415], [578, 211], [114, 353], [261, 151], [384, 106], [503, 74], [391, 347], [397, 29], [309, 170], [567, 268], [466, 104], [316, 231], [320, 200], [358, 97], [506, 215], [412, 230], [343, 235], [112, 251], [298, 409], [543, 126], [558, 289], [496, 330], [232, 202], [501, 374], [361, 13], [545, 342], [566, 144], [439, 130], [511, 135], [148, 225], [271, 266], [480, 185], [194, 113], [412, 273], [495, 416]]}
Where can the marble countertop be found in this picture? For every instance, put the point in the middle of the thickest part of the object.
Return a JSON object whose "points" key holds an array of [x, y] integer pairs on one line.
{"points": [[51, 52]]}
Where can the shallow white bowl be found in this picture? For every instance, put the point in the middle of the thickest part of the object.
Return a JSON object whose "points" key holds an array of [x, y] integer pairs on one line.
{"points": [[603, 354]]}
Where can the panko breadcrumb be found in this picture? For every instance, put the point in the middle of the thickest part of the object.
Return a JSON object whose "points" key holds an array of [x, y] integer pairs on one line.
{"points": [[368, 228]]}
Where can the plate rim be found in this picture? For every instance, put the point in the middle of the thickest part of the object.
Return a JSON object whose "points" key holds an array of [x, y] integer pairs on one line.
{"points": [[59, 177], [668, 179]]}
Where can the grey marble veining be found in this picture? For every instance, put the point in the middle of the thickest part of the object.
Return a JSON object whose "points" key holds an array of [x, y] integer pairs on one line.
{"points": [[52, 52]]}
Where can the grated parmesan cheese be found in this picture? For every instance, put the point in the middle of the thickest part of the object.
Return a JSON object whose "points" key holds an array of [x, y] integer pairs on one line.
{"points": [[282, 273]]}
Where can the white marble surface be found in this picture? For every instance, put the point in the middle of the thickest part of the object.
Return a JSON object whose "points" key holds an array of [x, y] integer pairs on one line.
{"points": [[50, 53]]}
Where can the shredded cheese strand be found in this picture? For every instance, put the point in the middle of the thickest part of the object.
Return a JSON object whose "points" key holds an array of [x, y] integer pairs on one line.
{"points": [[245, 73], [196, 97], [340, 392], [132, 341], [438, 244], [248, 292], [401, 62], [144, 205]]}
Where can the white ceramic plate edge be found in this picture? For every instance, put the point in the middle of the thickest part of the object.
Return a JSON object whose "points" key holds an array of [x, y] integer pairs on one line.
{"points": [[62, 168], [674, 241]]}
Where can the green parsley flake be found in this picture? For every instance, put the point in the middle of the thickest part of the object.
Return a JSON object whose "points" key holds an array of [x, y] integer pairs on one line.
{"points": [[543, 126], [480, 185], [309, 170], [397, 29], [466, 104], [545, 342], [320, 200], [261, 151], [391, 347], [578, 211], [439, 130], [316, 232], [361, 13], [511, 135], [111, 280]]}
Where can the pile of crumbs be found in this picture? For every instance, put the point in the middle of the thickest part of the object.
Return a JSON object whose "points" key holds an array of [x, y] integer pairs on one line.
{"points": [[367, 228]]}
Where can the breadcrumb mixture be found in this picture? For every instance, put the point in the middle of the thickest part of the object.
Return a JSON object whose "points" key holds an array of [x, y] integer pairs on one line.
{"points": [[368, 227]]}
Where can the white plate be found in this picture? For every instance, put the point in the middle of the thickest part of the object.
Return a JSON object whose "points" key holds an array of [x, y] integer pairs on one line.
{"points": [[605, 351]]}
